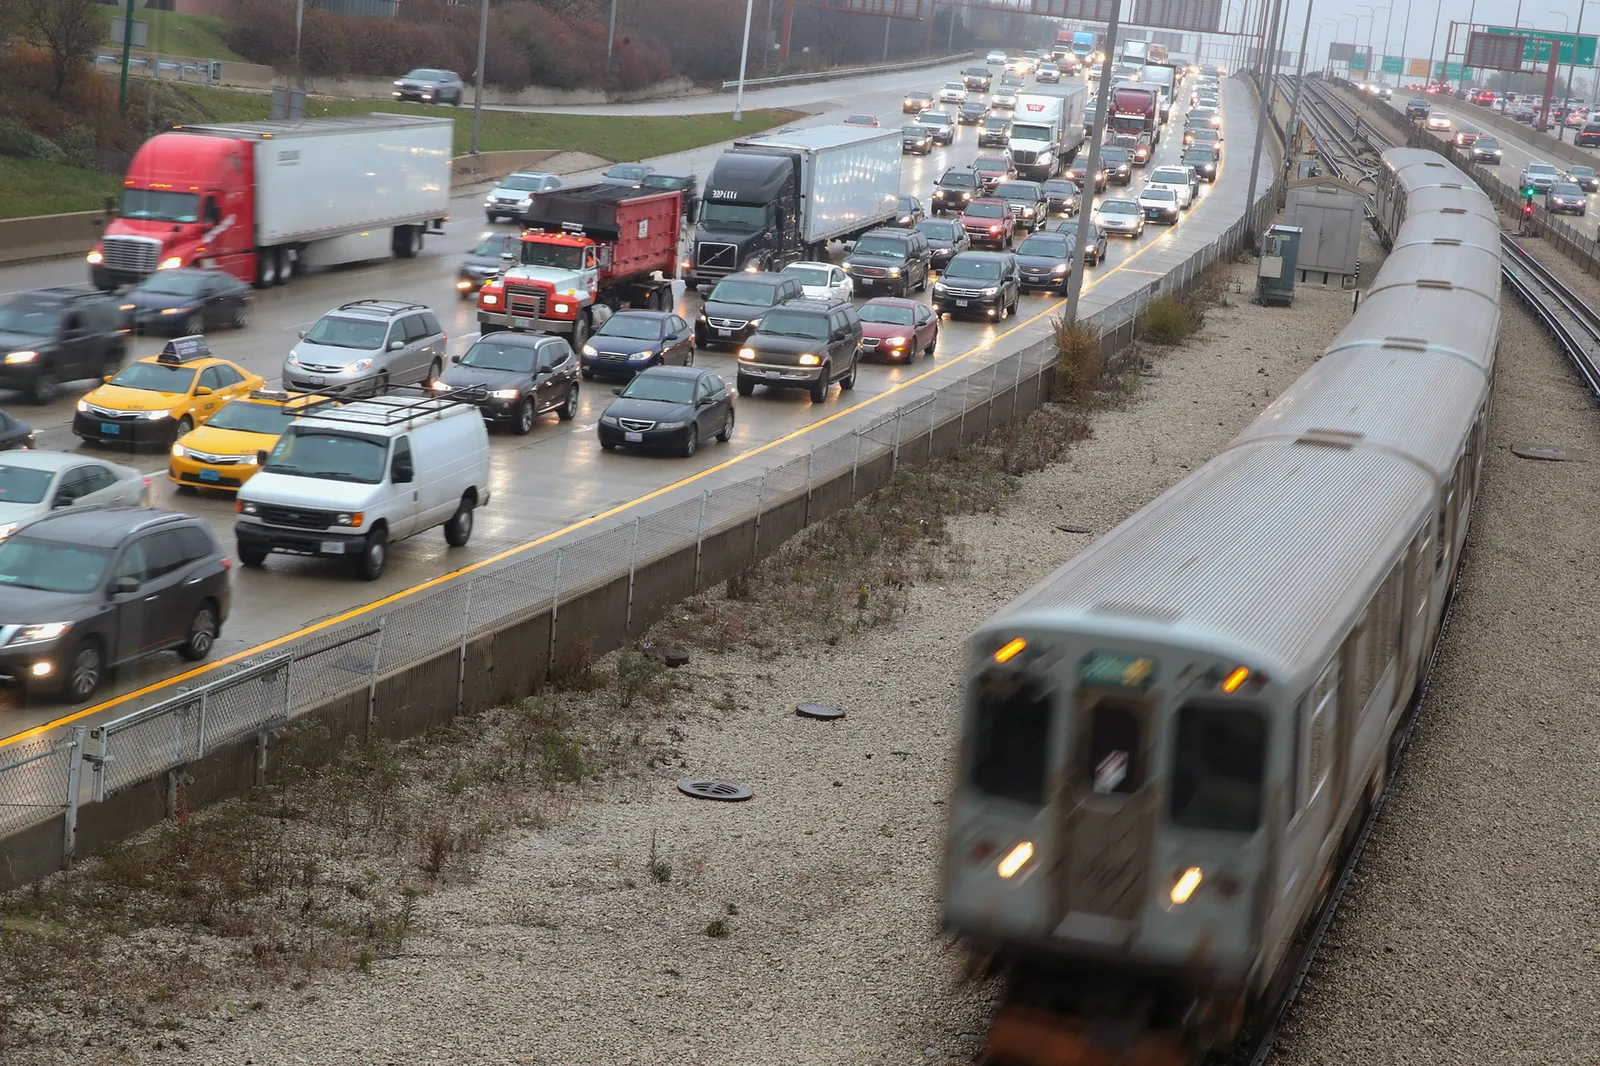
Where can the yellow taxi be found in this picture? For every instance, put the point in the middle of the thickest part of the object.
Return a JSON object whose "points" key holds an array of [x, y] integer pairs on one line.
{"points": [[162, 397], [222, 453]]}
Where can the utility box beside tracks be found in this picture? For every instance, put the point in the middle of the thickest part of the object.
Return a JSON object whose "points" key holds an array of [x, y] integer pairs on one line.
{"points": [[1280, 248], [1331, 212]]}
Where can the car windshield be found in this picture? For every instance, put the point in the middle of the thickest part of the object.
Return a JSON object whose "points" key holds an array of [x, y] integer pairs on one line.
{"points": [[1206, 135], [959, 179], [30, 316], [1016, 190], [747, 217], [666, 388], [247, 417], [155, 377], [156, 205], [1170, 177], [1200, 158], [749, 293], [933, 118], [522, 182], [493, 247], [1061, 187], [306, 451], [170, 283], [991, 166], [1566, 188], [1159, 194], [861, 120], [1541, 168], [23, 484], [1069, 229], [980, 269], [807, 275], [632, 327], [913, 131], [512, 358], [26, 563], [560, 256], [665, 181], [795, 324], [1045, 245], [1120, 207], [936, 228], [424, 75], [1580, 172], [336, 331], [1488, 143], [885, 246], [628, 171], [888, 314], [995, 123], [983, 210]]}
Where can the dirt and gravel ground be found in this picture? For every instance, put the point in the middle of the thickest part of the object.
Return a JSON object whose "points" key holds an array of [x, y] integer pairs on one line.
{"points": [[1469, 932], [639, 926]]}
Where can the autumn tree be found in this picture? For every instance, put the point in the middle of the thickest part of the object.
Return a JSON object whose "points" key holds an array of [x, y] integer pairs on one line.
{"points": [[67, 30]]}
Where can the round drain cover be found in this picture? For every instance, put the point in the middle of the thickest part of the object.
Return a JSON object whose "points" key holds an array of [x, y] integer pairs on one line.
{"points": [[1543, 451], [726, 791], [818, 710]]}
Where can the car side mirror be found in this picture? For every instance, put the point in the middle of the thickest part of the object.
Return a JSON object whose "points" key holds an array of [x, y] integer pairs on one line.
{"points": [[61, 500], [107, 378], [402, 472], [203, 390], [261, 457], [395, 346], [455, 360], [302, 334], [123, 585], [616, 392]]}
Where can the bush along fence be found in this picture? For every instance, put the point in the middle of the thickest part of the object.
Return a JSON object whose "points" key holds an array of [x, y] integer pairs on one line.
{"points": [[491, 638]]}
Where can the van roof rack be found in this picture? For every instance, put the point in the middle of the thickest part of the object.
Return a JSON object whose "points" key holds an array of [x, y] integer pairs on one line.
{"points": [[402, 305], [180, 350], [401, 404]]}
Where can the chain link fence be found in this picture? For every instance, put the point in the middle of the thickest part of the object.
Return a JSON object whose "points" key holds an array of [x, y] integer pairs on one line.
{"points": [[40, 780]]}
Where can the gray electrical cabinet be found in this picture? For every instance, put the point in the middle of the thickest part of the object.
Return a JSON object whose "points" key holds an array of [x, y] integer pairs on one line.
{"points": [[1280, 249], [1331, 211]]}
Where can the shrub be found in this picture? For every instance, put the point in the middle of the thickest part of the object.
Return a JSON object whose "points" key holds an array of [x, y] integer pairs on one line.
{"points": [[1078, 362], [1167, 320], [18, 140], [79, 144]]}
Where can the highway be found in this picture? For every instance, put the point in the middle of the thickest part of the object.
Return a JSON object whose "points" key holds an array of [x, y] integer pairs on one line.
{"points": [[557, 479]]}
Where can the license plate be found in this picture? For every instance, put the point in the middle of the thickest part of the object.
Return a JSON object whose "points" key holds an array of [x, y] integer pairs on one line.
{"points": [[111, 428], [961, 303], [317, 379], [866, 281], [632, 437], [333, 547], [724, 332], [522, 320], [210, 475]]}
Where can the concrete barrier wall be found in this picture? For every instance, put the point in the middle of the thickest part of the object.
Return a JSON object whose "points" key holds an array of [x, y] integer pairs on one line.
{"points": [[45, 236]]}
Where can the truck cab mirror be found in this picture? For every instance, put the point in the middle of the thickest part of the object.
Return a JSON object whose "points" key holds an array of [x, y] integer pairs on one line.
{"points": [[507, 260]]}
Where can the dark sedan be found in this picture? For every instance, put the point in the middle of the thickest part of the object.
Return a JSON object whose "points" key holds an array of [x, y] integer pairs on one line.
{"points": [[1117, 162], [1095, 253], [1045, 259], [1584, 178], [946, 239], [1078, 172], [972, 112], [631, 341], [1566, 197], [186, 301], [521, 375], [1203, 160], [669, 407], [916, 139], [996, 132], [15, 433], [1062, 196], [484, 262], [910, 212]]}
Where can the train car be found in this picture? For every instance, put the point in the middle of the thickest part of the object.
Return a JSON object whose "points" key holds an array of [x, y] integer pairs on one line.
{"points": [[1169, 743]]}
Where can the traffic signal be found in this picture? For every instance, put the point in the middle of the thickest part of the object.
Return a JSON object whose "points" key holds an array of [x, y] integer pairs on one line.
{"points": [[1527, 209], [1527, 194]]}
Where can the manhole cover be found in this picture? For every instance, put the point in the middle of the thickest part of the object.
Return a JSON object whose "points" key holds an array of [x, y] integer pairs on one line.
{"points": [[726, 791], [1545, 452], [818, 710]]}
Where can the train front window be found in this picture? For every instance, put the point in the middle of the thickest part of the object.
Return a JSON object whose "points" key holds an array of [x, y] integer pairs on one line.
{"points": [[1218, 767], [1010, 734]]}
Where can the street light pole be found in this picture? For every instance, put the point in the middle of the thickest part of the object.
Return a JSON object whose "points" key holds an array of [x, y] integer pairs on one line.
{"points": [[1388, 27], [1405, 35], [1433, 42], [1577, 39], [1091, 167], [1299, 87], [483, 48], [611, 32], [744, 58], [1266, 95]]}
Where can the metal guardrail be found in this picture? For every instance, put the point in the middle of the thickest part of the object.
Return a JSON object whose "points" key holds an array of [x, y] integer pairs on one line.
{"points": [[844, 72], [40, 780], [204, 73]]}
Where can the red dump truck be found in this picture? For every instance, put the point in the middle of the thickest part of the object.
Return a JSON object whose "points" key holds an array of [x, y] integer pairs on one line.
{"points": [[586, 252]]}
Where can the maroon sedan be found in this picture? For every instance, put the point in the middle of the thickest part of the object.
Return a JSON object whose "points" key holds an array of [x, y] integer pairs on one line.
{"points": [[897, 330], [990, 222]]}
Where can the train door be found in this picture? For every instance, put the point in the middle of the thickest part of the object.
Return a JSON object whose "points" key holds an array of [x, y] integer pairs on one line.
{"points": [[1318, 729], [1108, 811]]}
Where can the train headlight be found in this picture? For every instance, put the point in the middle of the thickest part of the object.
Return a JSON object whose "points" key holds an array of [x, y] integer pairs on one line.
{"points": [[1187, 882], [1018, 857]]}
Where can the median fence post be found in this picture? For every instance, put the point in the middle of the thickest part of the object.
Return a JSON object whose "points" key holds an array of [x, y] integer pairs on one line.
{"points": [[99, 761], [855, 467], [994, 378], [811, 462], [700, 537], [933, 420], [372, 678], [69, 821], [894, 454], [761, 495], [461, 655], [1016, 388], [555, 609], [633, 568], [200, 734]]}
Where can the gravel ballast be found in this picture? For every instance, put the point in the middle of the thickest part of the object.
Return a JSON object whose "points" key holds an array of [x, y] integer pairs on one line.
{"points": [[801, 926], [1468, 933]]}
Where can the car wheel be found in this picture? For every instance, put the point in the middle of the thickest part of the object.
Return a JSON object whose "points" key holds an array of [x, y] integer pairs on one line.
{"points": [[194, 324], [525, 417], [374, 555], [435, 368], [202, 633], [819, 389], [252, 557], [380, 384], [726, 433], [88, 664], [492, 217], [43, 389], [569, 410], [688, 360], [848, 382], [241, 316], [458, 530], [588, 375], [932, 344], [185, 425], [691, 440], [744, 386]]}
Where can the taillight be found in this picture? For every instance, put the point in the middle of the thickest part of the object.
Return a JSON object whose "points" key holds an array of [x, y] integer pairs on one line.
{"points": [[227, 563]]}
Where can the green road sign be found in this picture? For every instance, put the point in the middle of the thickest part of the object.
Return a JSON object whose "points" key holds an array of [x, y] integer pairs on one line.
{"points": [[1539, 51], [1392, 64], [1358, 61], [1453, 72]]}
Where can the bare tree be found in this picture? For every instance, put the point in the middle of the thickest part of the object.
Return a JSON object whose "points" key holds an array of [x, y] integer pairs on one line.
{"points": [[68, 30]]}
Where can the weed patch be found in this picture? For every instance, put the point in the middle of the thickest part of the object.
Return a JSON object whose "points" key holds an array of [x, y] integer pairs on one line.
{"points": [[1167, 320]]}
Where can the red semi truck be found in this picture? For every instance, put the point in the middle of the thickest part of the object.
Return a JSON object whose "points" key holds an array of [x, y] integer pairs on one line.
{"points": [[264, 200], [586, 252], [1134, 113]]}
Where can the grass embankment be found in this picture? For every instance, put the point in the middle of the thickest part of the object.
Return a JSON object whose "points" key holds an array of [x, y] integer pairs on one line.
{"points": [[31, 187], [174, 34]]}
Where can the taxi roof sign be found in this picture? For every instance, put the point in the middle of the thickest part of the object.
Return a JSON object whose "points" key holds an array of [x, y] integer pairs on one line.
{"points": [[185, 349]]}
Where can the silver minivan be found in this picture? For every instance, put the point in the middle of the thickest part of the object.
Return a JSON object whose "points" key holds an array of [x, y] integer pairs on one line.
{"points": [[361, 348]]}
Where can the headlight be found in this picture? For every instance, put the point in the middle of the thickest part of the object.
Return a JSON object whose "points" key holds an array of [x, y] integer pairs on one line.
{"points": [[399, 84], [37, 634], [636, 356], [991, 291], [490, 299], [245, 507], [894, 272], [608, 420], [95, 258], [1027, 212], [179, 451], [562, 309], [1059, 268], [83, 406], [174, 310], [129, 307], [810, 360], [294, 360], [358, 366], [938, 287], [669, 425], [171, 262], [747, 353], [588, 349], [13, 358], [155, 416], [439, 386], [463, 284], [354, 518], [896, 342], [7, 529]]}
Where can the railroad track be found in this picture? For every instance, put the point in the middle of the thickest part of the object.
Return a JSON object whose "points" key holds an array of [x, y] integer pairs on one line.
{"points": [[1576, 326]]}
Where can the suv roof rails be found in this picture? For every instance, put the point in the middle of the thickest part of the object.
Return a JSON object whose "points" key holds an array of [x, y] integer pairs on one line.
{"points": [[403, 305], [426, 401]]}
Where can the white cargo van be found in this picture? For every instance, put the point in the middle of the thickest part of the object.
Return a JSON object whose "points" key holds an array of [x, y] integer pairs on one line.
{"points": [[351, 480]]}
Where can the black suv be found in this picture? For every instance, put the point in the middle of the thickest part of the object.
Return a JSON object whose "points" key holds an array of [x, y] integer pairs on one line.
{"points": [[734, 308], [977, 78], [984, 284], [996, 132], [886, 262], [1027, 200], [55, 335], [954, 189], [806, 344], [1417, 109], [86, 590]]}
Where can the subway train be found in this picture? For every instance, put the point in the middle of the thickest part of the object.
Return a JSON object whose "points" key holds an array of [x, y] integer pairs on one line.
{"points": [[1169, 743]]}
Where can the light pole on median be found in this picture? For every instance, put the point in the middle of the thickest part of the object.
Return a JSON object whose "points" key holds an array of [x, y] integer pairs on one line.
{"points": [[744, 59], [477, 97], [1299, 87], [1091, 167], [1266, 94]]}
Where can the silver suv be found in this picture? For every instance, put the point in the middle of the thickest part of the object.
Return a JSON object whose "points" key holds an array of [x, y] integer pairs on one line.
{"points": [[362, 348], [513, 195]]}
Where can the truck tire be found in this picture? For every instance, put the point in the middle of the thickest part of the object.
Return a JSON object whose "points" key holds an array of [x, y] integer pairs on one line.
{"points": [[406, 242], [266, 267], [580, 330], [285, 265], [819, 389]]}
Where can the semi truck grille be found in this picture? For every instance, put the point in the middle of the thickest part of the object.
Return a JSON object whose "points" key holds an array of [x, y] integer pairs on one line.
{"points": [[523, 302], [137, 255], [1024, 158], [718, 256], [298, 517]]}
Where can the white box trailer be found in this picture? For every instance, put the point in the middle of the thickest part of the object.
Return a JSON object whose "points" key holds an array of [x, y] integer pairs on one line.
{"points": [[1046, 129], [848, 177]]}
